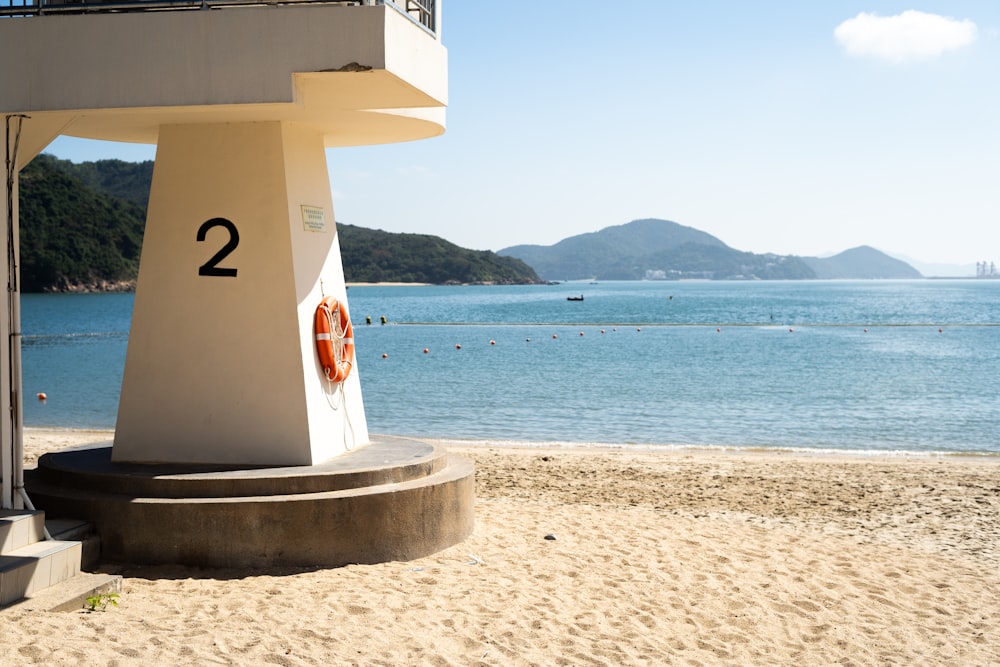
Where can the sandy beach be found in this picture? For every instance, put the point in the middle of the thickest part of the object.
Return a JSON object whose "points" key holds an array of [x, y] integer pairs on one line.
{"points": [[658, 558]]}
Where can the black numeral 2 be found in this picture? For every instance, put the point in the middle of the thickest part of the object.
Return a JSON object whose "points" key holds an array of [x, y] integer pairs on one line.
{"points": [[211, 267]]}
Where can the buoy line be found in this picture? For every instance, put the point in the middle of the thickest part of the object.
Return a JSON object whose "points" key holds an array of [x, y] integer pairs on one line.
{"points": [[731, 325]]}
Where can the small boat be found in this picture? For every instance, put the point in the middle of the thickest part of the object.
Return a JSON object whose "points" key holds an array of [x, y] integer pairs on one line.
{"points": [[575, 298]]}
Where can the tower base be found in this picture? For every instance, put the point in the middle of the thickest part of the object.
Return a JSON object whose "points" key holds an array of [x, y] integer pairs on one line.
{"points": [[395, 499]]}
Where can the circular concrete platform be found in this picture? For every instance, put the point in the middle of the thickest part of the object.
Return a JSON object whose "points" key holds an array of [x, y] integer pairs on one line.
{"points": [[393, 499]]}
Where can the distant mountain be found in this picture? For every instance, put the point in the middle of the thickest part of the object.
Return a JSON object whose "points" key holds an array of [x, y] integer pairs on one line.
{"points": [[863, 262], [614, 253], [653, 249]]}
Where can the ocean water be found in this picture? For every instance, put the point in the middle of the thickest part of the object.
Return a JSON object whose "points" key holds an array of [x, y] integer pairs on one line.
{"points": [[861, 366]]}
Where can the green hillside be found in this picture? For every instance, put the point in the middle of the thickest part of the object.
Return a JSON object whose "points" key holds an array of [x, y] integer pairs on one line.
{"points": [[116, 178], [73, 237], [377, 256], [82, 227]]}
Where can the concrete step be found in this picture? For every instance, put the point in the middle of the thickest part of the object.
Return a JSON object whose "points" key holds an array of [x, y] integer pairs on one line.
{"points": [[78, 530], [385, 460], [420, 500], [19, 528], [72, 594], [68, 529], [29, 564], [33, 567]]}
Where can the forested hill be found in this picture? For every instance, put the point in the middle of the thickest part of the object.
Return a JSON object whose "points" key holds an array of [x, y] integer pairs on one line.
{"points": [[73, 236], [82, 227], [372, 256]]}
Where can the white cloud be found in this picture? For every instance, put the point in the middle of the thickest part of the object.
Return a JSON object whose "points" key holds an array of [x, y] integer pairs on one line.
{"points": [[905, 37]]}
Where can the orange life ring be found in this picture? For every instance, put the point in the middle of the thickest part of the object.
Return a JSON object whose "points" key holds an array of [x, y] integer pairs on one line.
{"points": [[335, 347]]}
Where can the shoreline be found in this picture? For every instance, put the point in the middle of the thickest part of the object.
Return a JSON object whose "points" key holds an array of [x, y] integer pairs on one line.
{"points": [[718, 450], [387, 284], [610, 557], [600, 447]]}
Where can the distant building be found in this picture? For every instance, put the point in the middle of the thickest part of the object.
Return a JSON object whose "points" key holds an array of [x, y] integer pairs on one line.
{"points": [[986, 270]]}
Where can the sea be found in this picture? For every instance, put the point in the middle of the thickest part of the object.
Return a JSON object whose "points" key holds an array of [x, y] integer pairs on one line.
{"points": [[909, 367]]}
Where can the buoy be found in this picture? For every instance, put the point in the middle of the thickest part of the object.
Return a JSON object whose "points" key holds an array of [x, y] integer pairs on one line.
{"points": [[426, 350], [866, 330], [42, 396], [602, 330], [493, 342], [457, 346], [718, 330], [581, 333], [385, 356], [638, 328], [555, 336], [790, 330], [940, 330], [333, 324]]}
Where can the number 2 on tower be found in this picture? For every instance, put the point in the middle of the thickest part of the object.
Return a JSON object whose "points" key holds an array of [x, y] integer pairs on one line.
{"points": [[211, 267]]}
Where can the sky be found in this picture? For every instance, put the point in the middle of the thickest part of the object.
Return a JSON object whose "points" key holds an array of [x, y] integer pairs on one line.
{"points": [[793, 127]]}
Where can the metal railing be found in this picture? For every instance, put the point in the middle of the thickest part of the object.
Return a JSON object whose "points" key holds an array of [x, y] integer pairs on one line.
{"points": [[422, 12]]}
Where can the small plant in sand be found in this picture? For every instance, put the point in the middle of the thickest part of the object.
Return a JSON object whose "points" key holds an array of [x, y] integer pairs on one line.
{"points": [[101, 601]]}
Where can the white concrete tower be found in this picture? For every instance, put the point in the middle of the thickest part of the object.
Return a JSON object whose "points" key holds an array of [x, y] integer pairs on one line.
{"points": [[242, 99]]}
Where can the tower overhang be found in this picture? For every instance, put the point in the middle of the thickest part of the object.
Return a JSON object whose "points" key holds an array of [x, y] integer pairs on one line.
{"points": [[357, 74]]}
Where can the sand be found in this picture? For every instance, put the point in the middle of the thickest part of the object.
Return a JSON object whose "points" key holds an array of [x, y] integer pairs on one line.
{"points": [[662, 558]]}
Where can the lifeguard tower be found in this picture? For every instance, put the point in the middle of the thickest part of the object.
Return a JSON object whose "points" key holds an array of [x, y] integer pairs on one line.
{"points": [[234, 445]]}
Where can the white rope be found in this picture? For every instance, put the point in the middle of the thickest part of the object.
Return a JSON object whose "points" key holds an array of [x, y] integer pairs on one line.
{"points": [[334, 392]]}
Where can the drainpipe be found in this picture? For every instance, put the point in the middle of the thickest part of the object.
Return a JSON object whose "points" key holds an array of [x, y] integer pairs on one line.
{"points": [[14, 321]]}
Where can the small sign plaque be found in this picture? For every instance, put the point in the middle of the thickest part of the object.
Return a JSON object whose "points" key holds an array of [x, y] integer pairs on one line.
{"points": [[313, 218]]}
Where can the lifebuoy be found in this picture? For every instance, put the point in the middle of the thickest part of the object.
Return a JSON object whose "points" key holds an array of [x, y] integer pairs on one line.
{"points": [[335, 344]]}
